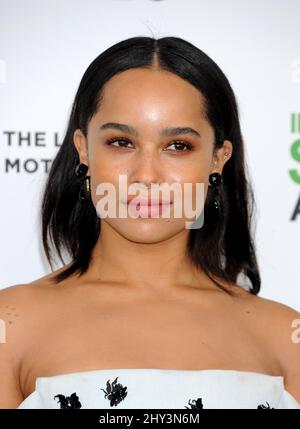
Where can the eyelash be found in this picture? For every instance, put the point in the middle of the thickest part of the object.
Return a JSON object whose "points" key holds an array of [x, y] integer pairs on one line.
{"points": [[189, 146]]}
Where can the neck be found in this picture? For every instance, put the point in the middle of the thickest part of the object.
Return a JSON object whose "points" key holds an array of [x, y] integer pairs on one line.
{"points": [[157, 266]]}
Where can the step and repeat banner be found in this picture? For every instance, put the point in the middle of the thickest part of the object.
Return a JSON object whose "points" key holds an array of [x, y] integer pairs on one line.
{"points": [[45, 47]]}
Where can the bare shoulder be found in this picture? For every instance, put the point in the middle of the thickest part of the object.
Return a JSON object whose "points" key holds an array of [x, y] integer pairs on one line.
{"points": [[24, 296], [284, 323], [277, 320], [14, 300], [279, 326], [21, 305], [280, 317], [15, 315], [22, 308], [272, 308]]}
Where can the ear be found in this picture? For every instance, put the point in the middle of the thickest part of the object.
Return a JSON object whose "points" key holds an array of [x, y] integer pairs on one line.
{"points": [[221, 156], [80, 144]]}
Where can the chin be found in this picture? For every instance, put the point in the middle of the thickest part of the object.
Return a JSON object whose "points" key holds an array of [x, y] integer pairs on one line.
{"points": [[147, 230]]}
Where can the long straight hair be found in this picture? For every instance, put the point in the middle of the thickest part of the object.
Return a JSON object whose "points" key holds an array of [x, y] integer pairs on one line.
{"points": [[223, 247]]}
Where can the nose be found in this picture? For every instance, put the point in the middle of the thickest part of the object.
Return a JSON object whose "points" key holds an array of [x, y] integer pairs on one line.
{"points": [[146, 169]]}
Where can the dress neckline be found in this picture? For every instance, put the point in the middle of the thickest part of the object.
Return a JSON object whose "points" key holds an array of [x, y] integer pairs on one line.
{"points": [[194, 372], [167, 370], [164, 370]]}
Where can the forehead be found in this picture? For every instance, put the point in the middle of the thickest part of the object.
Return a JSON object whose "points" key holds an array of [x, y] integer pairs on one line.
{"points": [[151, 94]]}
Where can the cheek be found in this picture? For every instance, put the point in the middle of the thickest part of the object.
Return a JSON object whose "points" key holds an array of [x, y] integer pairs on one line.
{"points": [[107, 170], [191, 174], [193, 180], [106, 174]]}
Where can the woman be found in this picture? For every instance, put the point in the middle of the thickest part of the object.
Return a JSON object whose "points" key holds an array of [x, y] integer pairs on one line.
{"points": [[149, 313]]}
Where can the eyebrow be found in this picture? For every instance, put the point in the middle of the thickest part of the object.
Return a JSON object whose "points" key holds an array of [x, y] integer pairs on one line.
{"points": [[165, 132]]}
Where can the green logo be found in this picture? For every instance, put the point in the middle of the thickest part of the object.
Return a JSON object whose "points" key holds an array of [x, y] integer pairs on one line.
{"points": [[295, 153]]}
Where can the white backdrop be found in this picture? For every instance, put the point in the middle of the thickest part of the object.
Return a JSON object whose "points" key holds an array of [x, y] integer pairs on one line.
{"points": [[45, 47]]}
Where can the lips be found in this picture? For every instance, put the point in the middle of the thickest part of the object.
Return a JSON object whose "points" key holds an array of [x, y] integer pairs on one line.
{"points": [[149, 202], [147, 208]]}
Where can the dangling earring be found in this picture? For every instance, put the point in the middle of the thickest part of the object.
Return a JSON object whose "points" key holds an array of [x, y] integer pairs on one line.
{"points": [[215, 180], [84, 181]]}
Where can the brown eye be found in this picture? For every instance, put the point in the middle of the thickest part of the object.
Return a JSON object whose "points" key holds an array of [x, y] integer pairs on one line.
{"points": [[181, 146], [124, 142]]}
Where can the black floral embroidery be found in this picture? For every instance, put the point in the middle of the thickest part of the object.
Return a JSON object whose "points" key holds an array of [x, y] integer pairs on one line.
{"points": [[195, 404], [115, 392], [71, 401], [262, 406]]}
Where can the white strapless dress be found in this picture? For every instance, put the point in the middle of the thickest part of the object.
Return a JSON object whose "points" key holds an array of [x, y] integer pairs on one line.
{"points": [[144, 388]]}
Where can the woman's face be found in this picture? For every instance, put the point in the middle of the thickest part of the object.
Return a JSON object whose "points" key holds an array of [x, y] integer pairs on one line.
{"points": [[148, 102]]}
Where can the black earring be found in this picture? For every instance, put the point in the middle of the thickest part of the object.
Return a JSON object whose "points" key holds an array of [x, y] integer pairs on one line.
{"points": [[215, 180], [80, 172]]}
